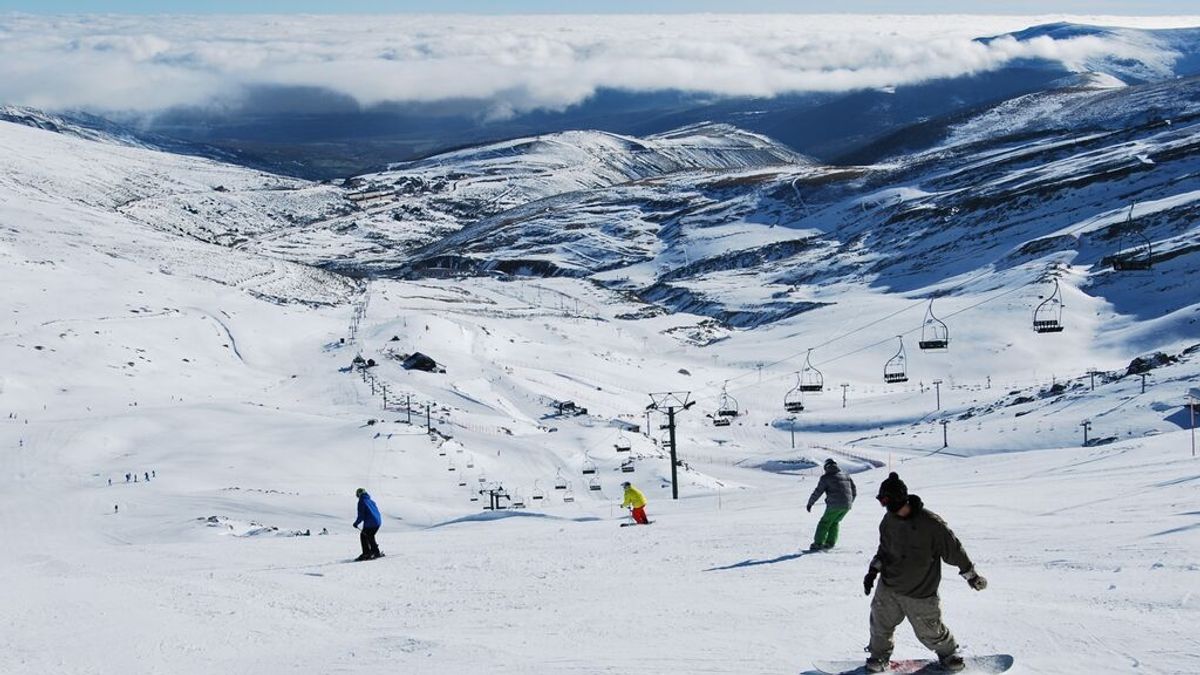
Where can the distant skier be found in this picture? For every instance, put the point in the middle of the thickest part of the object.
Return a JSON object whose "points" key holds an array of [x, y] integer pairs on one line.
{"points": [[127, 477], [147, 474], [840, 493], [913, 543], [636, 502], [116, 508], [368, 517]]}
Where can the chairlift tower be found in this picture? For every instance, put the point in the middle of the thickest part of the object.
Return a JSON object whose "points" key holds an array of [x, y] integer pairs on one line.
{"points": [[937, 387], [672, 402], [1087, 426]]}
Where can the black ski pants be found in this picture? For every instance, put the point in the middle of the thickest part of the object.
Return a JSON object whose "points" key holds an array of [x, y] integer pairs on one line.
{"points": [[367, 536]]}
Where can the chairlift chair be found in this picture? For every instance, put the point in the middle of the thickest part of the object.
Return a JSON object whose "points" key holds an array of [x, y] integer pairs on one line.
{"points": [[462, 481], [622, 444], [560, 483], [728, 405], [811, 379], [589, 467], [450, 467], [793, 401], [594, 484], [569, 494], [721, 421], [1135, 252], [627, 466], [470, 464], [935, 334], [538, 494], [1047, 316], [518, 502], [896, 369]]}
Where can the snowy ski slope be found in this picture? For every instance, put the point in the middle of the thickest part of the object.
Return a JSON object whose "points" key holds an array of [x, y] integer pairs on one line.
{"points": [[134, 349]]}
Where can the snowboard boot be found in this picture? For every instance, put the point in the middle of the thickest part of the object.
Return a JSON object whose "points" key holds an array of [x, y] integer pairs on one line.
{"points": [[952, 663], [814, 547], [362, 557], [876, 664]]}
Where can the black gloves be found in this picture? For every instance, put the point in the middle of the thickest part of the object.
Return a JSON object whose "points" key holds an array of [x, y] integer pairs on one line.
{"points": [[974, 580], [869, 580]]}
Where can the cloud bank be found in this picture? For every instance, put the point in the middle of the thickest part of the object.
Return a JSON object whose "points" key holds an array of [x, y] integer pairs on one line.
{"points": [[515, 64]]}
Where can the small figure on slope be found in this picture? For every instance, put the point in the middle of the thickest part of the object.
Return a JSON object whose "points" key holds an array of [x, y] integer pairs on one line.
{"points": [[368, 517], [913, 543], [636, 501], [840, 493]]}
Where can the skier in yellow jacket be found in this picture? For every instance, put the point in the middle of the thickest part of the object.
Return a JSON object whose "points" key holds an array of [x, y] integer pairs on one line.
{"points": [[634, 499]]}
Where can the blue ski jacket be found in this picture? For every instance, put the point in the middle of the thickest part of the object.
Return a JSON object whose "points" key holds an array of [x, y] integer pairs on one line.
{"points": [[368, 513]]}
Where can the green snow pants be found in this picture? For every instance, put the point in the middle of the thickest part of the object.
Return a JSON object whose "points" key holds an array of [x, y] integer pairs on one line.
{"points": [[889, 608], [827, 528]]}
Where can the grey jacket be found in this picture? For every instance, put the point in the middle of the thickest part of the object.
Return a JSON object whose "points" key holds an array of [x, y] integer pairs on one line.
{"points": [[838, 488], [912, 550]]}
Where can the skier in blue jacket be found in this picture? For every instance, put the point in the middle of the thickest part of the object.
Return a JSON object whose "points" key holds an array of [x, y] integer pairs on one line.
{"points": [[368, 516]]}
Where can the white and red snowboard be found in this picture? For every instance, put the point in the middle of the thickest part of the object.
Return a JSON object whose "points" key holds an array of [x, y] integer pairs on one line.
{"points": [[975, 665]]}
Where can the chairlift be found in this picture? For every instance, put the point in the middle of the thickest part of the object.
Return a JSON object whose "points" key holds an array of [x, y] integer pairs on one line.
{"points": [[594, 484], [482, 479], [728, 405], [589, 467], [1135, 252], [1047, 316], [793, 401], [721, 421], [560, 483], [623, 444], [569, 494], [811, 379], [518, 502], [896, 369], [538, 494], [470, 463], [462, 481], [935, 334], [627, 466]]}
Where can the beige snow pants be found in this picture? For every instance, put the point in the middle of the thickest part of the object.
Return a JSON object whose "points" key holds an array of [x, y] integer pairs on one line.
{"points": [[889, 608]]}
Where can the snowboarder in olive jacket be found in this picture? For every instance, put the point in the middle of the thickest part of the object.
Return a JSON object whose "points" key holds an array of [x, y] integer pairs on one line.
{"points": [[913, 544], [368, 517], [840, 492]]}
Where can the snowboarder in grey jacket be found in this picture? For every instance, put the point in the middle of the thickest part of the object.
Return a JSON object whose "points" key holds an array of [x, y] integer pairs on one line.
{"points": [[913, 544], [840, 492]]}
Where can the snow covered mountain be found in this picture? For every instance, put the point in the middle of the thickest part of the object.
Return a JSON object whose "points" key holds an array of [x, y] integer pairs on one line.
{"points": [[193, 324]]}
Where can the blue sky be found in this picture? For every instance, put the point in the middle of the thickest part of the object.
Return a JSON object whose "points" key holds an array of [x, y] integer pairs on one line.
{"points": [[1127, 7]]}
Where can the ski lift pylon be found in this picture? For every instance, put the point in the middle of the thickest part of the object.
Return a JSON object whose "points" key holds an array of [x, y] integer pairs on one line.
{"points": [[1047, 316], [811, 379], [935, 334], [896, 368]]}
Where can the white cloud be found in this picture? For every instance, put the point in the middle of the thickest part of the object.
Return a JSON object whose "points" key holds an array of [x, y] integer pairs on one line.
{"points": [[517, 63]]}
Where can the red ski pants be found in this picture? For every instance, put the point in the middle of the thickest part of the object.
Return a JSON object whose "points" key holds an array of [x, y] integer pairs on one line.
{"points": [[639, 516]]}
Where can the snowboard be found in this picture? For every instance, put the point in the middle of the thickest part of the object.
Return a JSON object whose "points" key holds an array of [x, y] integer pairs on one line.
{"points": [[975, 665], [648, 522]]}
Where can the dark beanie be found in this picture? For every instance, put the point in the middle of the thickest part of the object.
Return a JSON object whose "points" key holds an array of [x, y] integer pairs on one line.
{"points": [[893, 489]]}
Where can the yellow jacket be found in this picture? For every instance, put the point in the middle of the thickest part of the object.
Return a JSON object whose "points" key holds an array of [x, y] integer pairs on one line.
{"points": [[633, 498]]}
